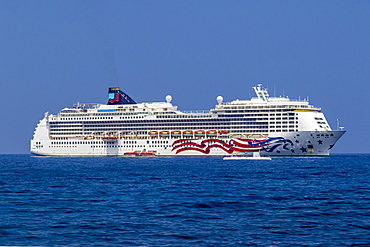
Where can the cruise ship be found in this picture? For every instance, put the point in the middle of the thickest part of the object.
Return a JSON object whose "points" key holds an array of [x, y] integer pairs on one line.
{"points": [[272, 126]]}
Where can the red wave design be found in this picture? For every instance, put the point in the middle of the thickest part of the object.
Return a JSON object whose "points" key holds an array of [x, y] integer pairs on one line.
{"points": [[230, 147], [205, 151]]}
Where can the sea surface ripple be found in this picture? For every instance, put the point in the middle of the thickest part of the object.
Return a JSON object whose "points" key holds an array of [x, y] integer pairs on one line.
{"points": [[113, 201]]}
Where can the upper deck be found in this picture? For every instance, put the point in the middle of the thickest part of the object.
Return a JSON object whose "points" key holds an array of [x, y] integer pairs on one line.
{"points": [[261, 102], [262, 115]]}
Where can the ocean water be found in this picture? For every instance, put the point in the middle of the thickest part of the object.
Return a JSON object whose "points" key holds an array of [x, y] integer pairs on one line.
{"points": [[60, 201]]}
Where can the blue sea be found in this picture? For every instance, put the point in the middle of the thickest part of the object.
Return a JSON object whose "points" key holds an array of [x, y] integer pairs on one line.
{"points": [[149, 201]]}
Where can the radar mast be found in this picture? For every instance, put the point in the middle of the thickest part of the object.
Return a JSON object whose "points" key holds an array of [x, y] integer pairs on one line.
{"points": [[261, 92]]}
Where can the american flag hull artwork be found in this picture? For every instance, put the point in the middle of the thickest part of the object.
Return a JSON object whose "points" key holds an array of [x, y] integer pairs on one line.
{"points": [[232, 145]]}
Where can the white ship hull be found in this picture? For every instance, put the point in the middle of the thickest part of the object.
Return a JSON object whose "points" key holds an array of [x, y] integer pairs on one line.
{"points": [[303, 143]]}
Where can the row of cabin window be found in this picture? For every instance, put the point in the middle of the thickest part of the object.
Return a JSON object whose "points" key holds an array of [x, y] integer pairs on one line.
{"points": [[66, 127], [264, 130], [272, 112], [92, 118], [148, 121], [146, 126], [263, 108], [86, 131], [260, 112], [235, 125], [284, 126], [144, 130], [283, 130], [99, 142], [112, 146], [90, 142], [172, 121], [56, 127], [80, 118], [184, 116]]}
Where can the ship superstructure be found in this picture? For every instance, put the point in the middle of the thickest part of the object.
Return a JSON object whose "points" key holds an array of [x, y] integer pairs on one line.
{"points": [[122, 127]]}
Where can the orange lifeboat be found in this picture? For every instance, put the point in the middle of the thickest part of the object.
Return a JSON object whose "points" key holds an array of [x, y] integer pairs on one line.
{"points": [[131, 153], [109, 138], [176, 133], [187, 133], [224, 132], [164, 133], [152, 133], [199, 132], [212, 132]]}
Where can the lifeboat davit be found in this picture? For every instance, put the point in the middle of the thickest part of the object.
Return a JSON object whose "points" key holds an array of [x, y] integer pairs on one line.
{"points": [[152, 133], [176, 133], [164, 133], [187, 133], [199, 133], [212, 132]]}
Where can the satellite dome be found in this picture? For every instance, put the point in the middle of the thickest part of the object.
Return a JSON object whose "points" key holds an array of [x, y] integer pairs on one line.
{"points": [[168, 98], [219, 99]]}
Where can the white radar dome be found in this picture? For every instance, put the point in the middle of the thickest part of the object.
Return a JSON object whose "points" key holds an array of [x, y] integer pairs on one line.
{"points": [[168, 98], [219, 99]]}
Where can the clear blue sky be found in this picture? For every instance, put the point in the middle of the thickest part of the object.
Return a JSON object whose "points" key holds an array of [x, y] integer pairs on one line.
{"points": [[56, 53]]}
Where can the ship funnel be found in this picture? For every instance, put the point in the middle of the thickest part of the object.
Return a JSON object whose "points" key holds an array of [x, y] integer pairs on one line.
{"points": [[117, 97]]}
